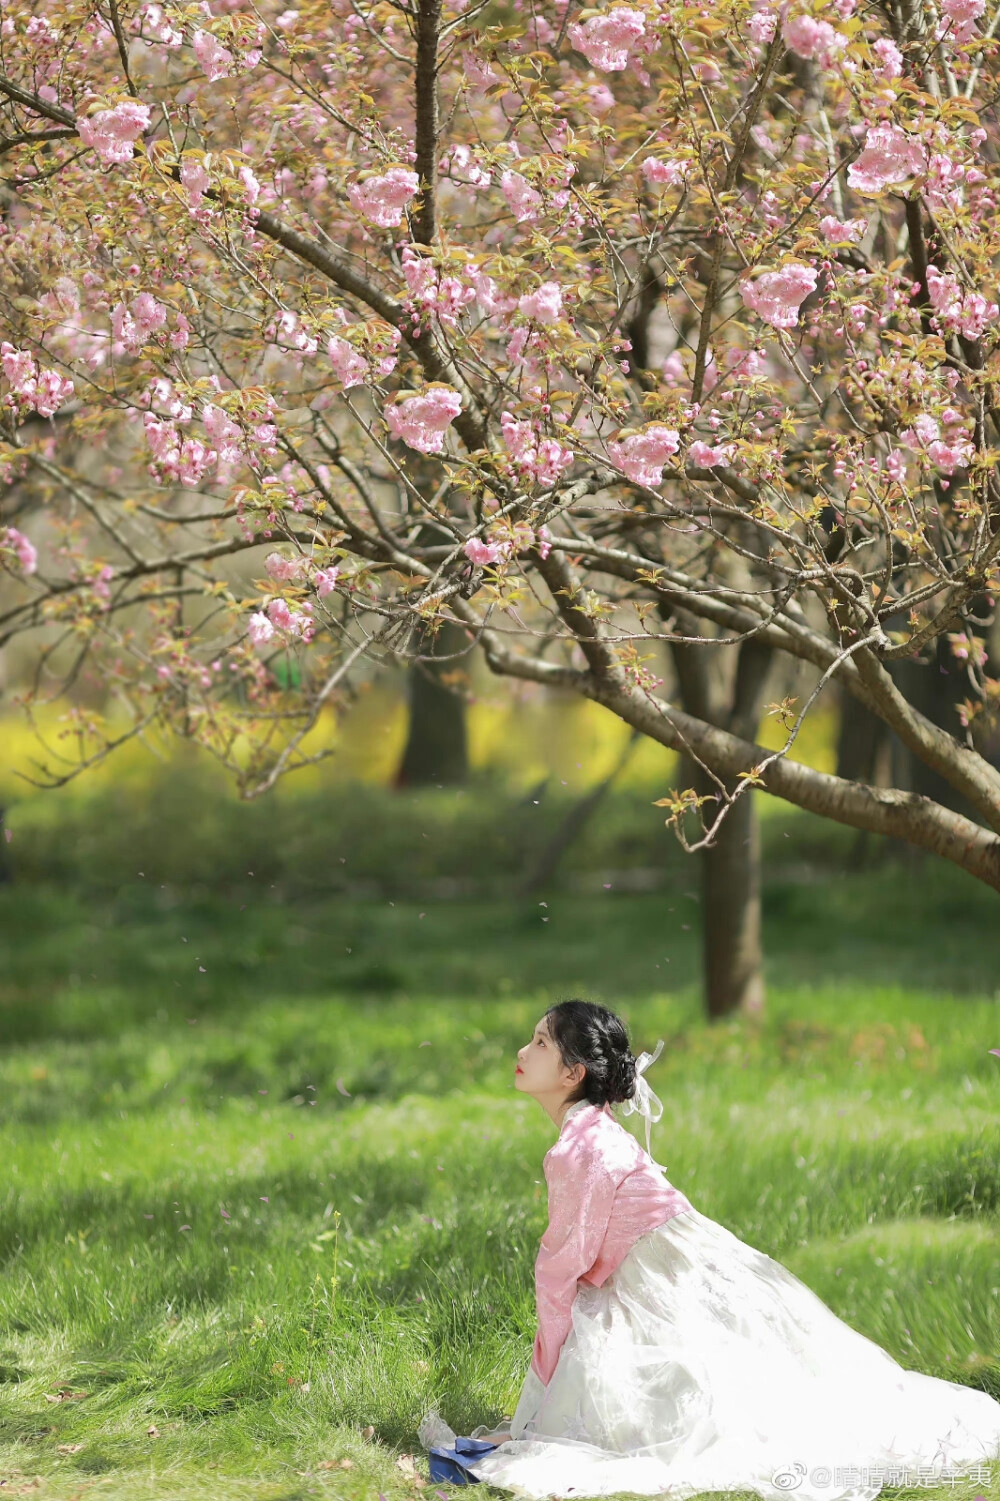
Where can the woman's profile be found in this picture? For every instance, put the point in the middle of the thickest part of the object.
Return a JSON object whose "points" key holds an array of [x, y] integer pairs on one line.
{"points": [[670, 1356]]}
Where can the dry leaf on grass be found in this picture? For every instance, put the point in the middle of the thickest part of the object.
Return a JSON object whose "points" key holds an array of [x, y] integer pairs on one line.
{"points": [[335, 1464], [405, 1462], [65, 1394], [368, 1432], [69, 1448], [152, 1431]]}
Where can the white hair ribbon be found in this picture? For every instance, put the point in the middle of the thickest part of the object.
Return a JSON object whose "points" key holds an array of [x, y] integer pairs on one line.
{"points": [[644, 1102]]}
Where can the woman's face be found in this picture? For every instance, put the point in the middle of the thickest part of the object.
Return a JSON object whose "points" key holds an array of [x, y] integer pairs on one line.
{"points": [[540, 1068]]}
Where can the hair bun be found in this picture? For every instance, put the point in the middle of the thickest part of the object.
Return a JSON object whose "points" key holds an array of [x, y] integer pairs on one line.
{"points": [[621, 1078]]}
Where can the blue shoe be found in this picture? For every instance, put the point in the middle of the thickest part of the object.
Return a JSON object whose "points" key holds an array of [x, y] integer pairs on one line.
{"points": [[451, 1465]]}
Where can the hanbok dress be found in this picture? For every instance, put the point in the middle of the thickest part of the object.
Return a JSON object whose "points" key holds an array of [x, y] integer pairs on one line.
{"points": [[672, 1357]]}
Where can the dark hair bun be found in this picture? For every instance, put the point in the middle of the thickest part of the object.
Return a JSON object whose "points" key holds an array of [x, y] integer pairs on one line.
{"points": [[594, 1036], [621, 1077]]}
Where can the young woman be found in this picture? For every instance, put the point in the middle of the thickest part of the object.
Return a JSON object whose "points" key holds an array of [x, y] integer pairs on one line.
{"points": [[670, 1355]]}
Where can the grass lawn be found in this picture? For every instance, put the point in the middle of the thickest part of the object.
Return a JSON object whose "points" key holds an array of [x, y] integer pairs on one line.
{"points": [[267, 1184]]}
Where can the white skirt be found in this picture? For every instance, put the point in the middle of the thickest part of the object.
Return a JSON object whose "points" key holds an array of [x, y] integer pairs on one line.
{"points": [[703, 1365]]}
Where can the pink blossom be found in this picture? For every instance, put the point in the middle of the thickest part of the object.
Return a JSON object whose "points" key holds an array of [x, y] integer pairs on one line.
{"points": [[962, 17], [945, 186], [223, 432], [544, 542], [607, 40], [964, 646], [195, 458], [487, 293], [420, 421], [382, 199], [133, 326], [260, 628], [895, 466], [349, 366], [704, 457], [838, 230], [214, 59], [478, 72], [890, 59], [642, 455], [101, 585], [112, 132], [452, 296], [461, 166], [969, 313], [601, 98], [481, 553], [194, 180], [746, 362], [325, 580], [543, 459], [545, 304], [889, 156], [284, 618], [950, 456], [32, 386], [250, 183], [156, 26], [289, 332], [669, 174], [777, 295], [522, 199], [27, 556], [762, 26], [283, 570], [810, 38]]}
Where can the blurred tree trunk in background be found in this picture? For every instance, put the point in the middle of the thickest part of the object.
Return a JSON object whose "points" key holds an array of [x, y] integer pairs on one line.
{"points": [[868, 751], [730, 867], [436, 752]]}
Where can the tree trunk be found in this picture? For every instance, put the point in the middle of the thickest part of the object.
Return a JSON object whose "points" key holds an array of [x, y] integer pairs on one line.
{"points": [[733, 959], [732, 953], [436, 752]]}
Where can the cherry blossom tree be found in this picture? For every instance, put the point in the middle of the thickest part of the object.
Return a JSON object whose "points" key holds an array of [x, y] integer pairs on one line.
{"points": [[592, 333]]}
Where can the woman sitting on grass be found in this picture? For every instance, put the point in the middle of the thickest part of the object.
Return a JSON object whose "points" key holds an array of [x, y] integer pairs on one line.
{"points": [[670, 1355]]}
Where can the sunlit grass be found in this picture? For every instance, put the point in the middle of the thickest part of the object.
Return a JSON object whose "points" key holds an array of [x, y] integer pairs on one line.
{"points": [[248, 1209]]}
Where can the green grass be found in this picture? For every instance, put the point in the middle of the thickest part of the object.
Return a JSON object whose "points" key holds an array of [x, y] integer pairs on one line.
{"points": [[204, 1233]]}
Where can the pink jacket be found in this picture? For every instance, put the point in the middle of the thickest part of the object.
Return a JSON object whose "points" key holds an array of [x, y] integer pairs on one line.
{"points": [[604, 1192]]}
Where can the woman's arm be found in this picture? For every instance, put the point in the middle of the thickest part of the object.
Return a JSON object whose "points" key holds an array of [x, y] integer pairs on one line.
{"points": [[581, 1195]]}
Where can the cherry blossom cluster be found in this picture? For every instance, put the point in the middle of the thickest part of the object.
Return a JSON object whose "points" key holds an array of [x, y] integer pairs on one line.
{"points": [[31, 387], [283, 621], [966, 313], [421, 420], [776, 296], [540, 460], [113, 132], [134, 324], [382, 197], [13, 541]]}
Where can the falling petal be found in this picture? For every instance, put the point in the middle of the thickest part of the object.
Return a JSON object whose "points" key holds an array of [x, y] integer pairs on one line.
{"points": [[996, 1051], [264, 1199], [225, 1214], [185, 1227], [423, 1044], [343, 1089], [147, 1216]]}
